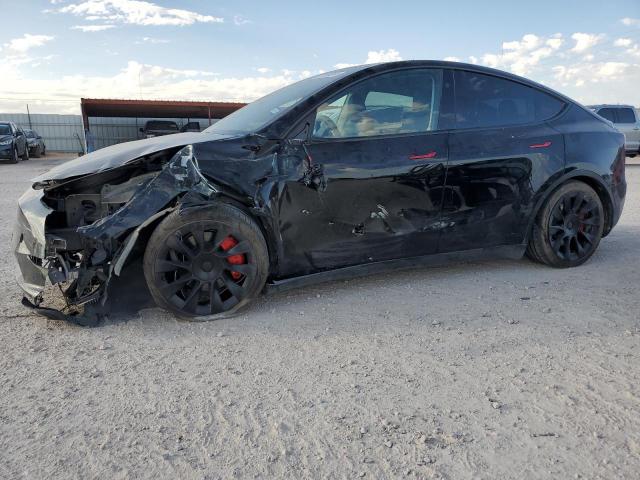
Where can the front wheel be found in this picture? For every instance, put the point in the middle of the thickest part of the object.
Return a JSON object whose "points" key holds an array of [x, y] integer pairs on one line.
{"points": [[569, 227], [15, 158], [25, 156], [204, 264]]}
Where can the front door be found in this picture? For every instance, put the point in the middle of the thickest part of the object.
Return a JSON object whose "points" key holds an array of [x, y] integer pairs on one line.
{"points": [[373, 182]]}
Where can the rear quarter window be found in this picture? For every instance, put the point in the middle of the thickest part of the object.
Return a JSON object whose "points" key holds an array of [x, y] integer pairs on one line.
{"points": [[488, 101], [626, 115]]}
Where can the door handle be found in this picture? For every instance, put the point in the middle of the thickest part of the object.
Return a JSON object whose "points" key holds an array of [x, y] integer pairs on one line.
{"points": [[424, 156], [541, 145]]}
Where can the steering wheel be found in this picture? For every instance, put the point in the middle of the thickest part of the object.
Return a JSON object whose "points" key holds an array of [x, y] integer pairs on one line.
{"points": [[325, 127]]}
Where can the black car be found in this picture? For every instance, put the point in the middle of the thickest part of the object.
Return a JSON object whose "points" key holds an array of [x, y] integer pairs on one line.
{"points": [[37, 148], [346, 173], [13, 142]]}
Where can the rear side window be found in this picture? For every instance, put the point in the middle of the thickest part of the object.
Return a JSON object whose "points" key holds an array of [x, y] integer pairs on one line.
{"points": [[626, 115], [488, 101], [608, 113]]}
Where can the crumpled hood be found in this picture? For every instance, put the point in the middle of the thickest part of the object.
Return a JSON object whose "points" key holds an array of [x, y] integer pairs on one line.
{"points": [[117, 155]]}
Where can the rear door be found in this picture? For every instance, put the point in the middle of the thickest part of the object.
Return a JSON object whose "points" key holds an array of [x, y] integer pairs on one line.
{"points": [[500, 151], [379, 152]]}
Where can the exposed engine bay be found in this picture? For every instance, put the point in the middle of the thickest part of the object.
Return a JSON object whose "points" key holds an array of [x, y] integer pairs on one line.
{"points": [[93, 222]]}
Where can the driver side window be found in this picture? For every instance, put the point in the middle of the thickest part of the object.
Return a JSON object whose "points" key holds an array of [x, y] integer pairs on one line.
{"points": [[389, 104]]}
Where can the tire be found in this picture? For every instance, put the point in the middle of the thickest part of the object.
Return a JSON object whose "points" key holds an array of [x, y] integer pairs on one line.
{"points": [[25, 155], [568, 228], [192, 268], [15, 158], [36, 152]]}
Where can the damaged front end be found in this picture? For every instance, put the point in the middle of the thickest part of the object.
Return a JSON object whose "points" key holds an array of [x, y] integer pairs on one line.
{"points": [[72, 235]]}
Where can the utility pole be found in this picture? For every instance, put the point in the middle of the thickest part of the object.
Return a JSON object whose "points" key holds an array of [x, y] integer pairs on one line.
{"points": [[29, 116]]}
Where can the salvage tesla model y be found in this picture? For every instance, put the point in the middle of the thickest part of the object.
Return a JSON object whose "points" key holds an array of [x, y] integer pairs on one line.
{"points": [[349, 172]]}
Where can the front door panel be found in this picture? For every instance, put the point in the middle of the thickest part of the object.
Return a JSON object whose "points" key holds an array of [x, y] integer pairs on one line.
{"points": [[372, 200]]}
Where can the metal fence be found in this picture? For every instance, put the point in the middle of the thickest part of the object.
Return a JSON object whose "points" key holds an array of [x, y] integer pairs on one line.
{"points": [[62, 133], [111, 130]]}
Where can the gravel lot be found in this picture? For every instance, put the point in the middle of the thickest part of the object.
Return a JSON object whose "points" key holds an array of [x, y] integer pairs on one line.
{"points": [[501, 369]]}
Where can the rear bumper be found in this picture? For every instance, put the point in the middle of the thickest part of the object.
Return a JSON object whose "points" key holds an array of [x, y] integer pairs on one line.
{"points": [[29, 244]]}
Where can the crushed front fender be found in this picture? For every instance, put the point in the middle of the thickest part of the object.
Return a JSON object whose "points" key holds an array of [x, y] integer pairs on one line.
{"points": [[106, 242]]}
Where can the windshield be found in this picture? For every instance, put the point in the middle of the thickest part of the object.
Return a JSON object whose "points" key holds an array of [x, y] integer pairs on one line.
{"points": [[5, 129], [266, 109]]}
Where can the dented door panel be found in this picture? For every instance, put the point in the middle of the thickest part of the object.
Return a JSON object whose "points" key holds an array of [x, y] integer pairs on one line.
{"points": [[374, 202], [494, 178]]}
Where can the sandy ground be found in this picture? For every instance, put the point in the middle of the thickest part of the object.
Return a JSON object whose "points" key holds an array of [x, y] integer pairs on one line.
{"points": [[501, 369]]}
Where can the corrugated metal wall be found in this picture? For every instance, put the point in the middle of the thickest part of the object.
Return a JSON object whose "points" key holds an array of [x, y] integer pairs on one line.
{"points": [[109, 131], [60, 132], [64, 132]]}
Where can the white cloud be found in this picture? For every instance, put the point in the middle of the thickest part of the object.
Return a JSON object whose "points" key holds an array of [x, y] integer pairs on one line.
{"points": [[592, 76], [622, 42], [152, 40], [451, 59], [27, 42], [634, 50], [390, 55], [136, 80], [584, 41], [263, 69], [631, 22], [135, 12], [240, 20], [521, 56], [93, 28]]}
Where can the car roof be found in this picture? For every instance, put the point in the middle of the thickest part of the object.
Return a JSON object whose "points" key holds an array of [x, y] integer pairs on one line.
{"points": [[457, 66]]}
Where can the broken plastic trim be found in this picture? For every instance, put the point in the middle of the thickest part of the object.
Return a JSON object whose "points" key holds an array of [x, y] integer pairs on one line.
{"points": [[109, 241]]}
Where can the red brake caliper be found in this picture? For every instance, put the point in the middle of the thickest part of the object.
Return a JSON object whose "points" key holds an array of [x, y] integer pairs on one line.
{"points": [[227, 244]]}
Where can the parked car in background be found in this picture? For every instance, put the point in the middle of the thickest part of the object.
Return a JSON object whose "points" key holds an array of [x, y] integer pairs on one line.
{"points": [[157, 128], [191, 127], [626, 119], [13, 142], [35, 143], [347, 173]]}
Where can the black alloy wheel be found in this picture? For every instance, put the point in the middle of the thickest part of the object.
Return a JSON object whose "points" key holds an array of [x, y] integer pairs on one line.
{"points": [[569, 227], [202, 265], [573, 225]]}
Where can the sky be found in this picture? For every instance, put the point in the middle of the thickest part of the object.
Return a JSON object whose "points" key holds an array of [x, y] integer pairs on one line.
{"points": [[53, 52]]}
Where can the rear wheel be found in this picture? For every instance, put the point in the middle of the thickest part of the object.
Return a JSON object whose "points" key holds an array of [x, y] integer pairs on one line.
{"points": [[206, 263], [569, 227]]}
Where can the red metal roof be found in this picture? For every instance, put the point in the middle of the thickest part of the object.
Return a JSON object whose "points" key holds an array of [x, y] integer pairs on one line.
{"points": [[103, 107]]}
